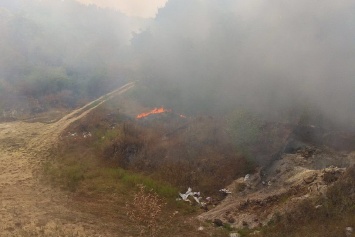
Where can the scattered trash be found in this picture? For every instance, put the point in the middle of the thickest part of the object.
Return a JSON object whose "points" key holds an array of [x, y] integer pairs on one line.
{"points": [[200, 228], [318, 206], [225, 191], [195, 195], [247, 177], [86, 134], [310, 179], [72, 134]]}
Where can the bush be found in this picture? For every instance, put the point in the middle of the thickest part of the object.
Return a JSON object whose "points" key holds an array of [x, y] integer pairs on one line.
{"points": [[145, 210]]}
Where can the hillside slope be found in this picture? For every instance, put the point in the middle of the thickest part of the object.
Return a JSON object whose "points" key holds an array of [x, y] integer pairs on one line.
{"points": [[28, 208]]}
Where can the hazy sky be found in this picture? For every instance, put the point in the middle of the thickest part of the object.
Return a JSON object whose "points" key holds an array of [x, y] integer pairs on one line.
{"points": [[140, 8]]}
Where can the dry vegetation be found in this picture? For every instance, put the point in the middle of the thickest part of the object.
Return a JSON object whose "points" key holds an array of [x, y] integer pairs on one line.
{"points": [[145, 210], [96, 162], [194, 152], [166, 154]]}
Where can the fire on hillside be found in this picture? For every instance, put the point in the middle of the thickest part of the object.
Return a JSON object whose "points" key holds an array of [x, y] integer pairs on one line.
{"points": [[157, 111]]}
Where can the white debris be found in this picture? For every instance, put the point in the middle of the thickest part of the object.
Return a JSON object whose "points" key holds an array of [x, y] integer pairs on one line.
{"points": [[195, 195], [226, 191], [86, 134], [200, 228], [234, 235], [197, 199], [186, 195], [247, 177], [72, 134]]}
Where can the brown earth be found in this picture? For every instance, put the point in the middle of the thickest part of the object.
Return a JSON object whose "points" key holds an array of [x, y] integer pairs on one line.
{"points": [[27, 206]]}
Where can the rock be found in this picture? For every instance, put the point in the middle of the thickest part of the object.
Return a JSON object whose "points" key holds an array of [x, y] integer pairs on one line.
{"points": [[310, 179], [234, 235], [348, 231], [218, 222], [331, 174], [200, 228]]}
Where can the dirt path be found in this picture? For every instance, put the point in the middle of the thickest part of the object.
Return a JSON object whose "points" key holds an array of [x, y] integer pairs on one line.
{"points": [[27, 207]]}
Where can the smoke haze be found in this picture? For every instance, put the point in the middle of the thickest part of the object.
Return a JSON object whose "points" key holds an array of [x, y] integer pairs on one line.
{"points": [[137, 8], [265, 55], [271, 57]]}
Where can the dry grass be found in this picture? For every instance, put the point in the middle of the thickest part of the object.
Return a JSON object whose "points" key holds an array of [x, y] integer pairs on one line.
{"points": [[145, 210], [99, 187], [103, 170]]}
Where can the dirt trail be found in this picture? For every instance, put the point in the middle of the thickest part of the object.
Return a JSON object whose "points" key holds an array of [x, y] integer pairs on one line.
{"points": [[27, 207]]}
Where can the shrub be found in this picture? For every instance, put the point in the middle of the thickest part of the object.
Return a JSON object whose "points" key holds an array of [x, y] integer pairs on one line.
{"points": [[145, 210]]}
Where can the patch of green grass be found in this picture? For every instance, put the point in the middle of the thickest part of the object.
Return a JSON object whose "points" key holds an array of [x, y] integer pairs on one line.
{"points": [[69, 176], [161, 188], [70, 173], [73, 176]]}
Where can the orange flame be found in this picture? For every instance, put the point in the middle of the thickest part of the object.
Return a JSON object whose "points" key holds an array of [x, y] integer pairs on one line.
{"points": [[154, 111]]}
